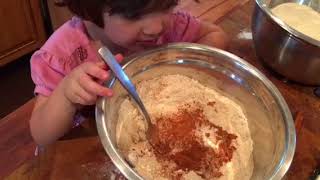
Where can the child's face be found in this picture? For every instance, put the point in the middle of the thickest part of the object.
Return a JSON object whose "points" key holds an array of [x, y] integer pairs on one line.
{"points": [[133, 34]]}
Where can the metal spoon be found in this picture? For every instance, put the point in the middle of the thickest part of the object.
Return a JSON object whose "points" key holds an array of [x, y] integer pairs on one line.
{"points": [[127, 84]]}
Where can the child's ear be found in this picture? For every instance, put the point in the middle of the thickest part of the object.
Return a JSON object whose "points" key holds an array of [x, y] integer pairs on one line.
{"points": [[60, 3], [105, 15], [107, 10]]}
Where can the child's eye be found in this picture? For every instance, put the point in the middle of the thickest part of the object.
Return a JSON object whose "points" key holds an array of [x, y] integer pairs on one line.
{"points": [[132, 17], [136, 18]]}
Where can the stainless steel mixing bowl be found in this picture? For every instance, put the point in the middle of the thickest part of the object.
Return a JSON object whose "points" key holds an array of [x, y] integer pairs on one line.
{"points": [[284, 49], [269, 118]]}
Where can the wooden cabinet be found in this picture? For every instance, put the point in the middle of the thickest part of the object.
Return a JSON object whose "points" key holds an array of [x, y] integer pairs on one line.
{"points": [[21, 28]]}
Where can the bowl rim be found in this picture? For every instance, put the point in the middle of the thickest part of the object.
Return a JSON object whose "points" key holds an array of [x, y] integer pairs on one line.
{"points": [[290, 133], [266, 10]]}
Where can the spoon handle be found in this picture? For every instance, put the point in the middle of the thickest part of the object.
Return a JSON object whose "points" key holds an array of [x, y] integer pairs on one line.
{"points": [[117, 70], [122, 77]]}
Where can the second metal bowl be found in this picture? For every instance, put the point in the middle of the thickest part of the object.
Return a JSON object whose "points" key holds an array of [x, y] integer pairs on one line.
{"points": [[284, 49]]}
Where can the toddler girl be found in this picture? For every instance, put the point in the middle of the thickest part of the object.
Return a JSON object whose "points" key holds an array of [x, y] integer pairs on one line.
{"points": [[67, 70]]}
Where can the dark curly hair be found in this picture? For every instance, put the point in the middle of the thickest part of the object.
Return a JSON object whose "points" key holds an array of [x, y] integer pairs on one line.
{"points": [[92, 10]]}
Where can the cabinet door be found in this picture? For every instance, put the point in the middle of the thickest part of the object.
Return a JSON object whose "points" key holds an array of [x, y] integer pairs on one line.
{"points": [[21, 29]]}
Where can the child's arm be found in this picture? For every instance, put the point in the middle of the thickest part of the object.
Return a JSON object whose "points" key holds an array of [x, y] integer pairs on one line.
{"points": [[212, 35], [53, 116], [186, 28]]}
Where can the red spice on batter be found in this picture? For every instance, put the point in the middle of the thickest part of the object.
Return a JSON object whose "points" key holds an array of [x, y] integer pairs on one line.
{"points": [[174, 139]]}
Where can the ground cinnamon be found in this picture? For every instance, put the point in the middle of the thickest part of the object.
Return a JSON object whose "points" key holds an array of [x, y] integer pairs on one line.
{"points": [[174, 139]]}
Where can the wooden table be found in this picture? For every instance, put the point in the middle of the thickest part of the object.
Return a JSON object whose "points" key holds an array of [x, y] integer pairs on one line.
{"points": [[84, 158]]}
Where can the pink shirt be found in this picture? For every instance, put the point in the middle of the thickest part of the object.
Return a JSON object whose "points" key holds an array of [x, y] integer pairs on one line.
{"points": [[70, 46]]}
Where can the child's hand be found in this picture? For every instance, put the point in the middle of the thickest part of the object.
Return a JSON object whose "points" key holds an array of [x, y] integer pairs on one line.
{"points": [[83, 85]]}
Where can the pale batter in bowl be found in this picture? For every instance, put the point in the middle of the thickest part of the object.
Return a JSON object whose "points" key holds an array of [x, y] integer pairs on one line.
{"points": [[201, 134], [300, 17]]}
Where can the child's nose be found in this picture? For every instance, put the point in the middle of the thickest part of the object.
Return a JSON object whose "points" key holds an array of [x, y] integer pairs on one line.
{"points": [[154, 28]]}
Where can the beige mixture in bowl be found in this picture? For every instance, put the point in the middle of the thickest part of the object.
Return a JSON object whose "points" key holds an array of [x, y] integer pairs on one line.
{"points": [[200, 133], [300, 17]]}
